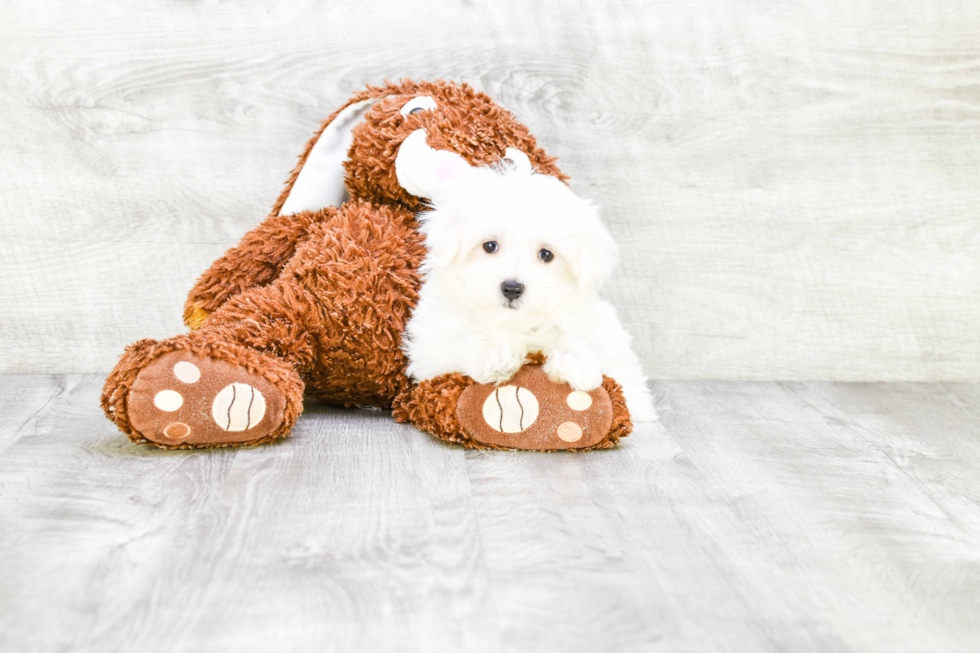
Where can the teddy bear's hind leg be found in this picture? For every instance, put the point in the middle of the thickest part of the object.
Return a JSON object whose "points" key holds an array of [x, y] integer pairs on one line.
{"points": [[235, 381], [528, 412], [201, 390]]}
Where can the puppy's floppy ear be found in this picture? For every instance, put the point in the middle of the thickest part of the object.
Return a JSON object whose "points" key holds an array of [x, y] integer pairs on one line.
{"points": [[593, 252], [444, 235], [422, 171]]}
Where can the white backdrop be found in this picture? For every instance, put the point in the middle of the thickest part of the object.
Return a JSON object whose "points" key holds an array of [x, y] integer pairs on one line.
{"points": [[795, 185]]}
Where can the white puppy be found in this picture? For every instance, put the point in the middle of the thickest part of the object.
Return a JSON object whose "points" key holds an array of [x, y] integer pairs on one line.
{"points": [[515, 261]]}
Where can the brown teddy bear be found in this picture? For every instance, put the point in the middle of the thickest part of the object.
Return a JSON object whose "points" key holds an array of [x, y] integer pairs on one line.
{"points": [[315, 299]]}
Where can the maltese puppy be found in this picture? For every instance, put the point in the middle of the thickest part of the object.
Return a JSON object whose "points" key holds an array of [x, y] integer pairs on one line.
{"points": [[515, 261]]}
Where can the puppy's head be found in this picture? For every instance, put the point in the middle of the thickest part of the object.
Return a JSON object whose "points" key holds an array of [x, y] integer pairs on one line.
{"points": [[510, 242]]}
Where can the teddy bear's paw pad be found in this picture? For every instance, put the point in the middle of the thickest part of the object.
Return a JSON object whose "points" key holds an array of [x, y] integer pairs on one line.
{"points": [[184, 399], [532, 412], [510, 409]]}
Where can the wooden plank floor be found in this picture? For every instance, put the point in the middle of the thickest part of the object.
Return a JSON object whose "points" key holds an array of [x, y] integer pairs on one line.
{"points": [[754, 516]]}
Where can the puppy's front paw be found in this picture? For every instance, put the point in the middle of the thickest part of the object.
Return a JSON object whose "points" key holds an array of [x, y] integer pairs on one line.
{"points": [[495, 365], [578, 369]]}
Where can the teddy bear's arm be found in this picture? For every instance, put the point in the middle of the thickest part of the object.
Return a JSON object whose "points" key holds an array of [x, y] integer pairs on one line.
{"points": [[257, 260]]}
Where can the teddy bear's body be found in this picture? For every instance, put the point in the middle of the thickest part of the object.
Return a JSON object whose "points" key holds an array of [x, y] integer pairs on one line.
{"points": [[315, 299], [339, 304]]}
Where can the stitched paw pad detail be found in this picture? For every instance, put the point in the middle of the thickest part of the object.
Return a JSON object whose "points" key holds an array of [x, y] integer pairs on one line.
{"points": [[184, 399], [510, 409], [533, 412], [238, 407]]}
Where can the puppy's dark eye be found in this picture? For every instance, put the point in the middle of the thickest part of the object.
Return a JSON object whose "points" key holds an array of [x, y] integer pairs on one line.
{"points": [[416, 110], [546, 255], [490, 247]]}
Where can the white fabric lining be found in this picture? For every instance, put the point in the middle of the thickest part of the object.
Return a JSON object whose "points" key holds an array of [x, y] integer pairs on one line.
{"points": [[321, 181]]}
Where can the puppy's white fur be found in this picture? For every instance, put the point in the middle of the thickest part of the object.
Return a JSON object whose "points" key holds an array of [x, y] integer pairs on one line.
{"points": [[463, 323]]}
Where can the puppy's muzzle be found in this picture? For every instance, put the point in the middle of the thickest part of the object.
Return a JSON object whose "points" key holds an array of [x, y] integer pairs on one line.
{"points": [[512, 289]]}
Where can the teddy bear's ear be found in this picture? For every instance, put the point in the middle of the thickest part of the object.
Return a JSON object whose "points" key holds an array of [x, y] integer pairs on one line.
{"points": [[321, 181], [423, 171], [518, 160]]}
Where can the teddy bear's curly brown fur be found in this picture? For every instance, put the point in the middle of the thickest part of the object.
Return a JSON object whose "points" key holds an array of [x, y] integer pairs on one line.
{"points": [[316, 301]]}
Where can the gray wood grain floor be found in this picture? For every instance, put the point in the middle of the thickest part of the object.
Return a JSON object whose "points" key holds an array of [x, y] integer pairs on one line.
{"points": [[754, 516]]}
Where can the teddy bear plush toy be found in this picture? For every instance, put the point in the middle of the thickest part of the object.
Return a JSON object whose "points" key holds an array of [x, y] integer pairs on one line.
{"points": [[314, 301]]}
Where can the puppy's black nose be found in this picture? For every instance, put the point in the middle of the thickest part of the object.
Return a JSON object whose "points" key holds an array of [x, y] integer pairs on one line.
{"points": [[512, 289]]}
